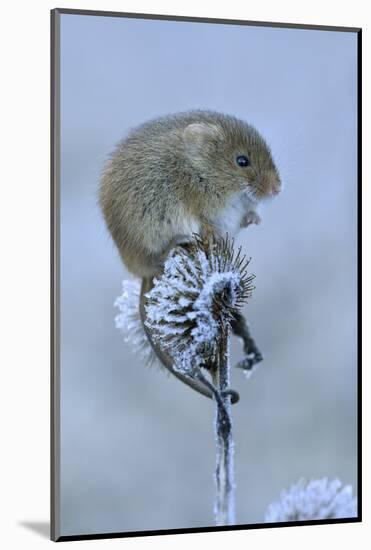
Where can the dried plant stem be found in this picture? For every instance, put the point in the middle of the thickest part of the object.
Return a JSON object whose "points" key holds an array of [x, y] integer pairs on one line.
{"points": [[224, 473]]}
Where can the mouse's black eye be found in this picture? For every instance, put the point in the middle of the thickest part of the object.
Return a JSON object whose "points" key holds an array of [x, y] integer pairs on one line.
{"points": [[242, 161]]}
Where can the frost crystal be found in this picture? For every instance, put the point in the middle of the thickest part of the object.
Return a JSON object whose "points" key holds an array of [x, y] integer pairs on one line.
{"points": [[190, 306], [318, 499], [128, 320]]}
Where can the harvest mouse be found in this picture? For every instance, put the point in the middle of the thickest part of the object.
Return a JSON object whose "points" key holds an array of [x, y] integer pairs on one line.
{"points": [[191, 172]]}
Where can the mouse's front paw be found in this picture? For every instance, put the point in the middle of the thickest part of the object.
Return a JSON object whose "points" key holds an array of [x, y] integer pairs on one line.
{"points": [[250, 218]]}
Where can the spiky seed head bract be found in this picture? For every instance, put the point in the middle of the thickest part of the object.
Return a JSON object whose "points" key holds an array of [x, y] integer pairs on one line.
{"points": [[128, 320], [203, 285]]}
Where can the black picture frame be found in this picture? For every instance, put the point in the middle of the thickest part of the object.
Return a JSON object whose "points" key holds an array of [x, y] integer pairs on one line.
{"points": [[55, 273]]}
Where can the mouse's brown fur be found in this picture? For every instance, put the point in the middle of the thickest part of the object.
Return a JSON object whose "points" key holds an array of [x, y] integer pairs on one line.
{"points": [[177, 175]]}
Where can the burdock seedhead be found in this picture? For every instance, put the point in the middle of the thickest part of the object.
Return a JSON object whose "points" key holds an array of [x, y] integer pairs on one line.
{"points": [[203, 286]]}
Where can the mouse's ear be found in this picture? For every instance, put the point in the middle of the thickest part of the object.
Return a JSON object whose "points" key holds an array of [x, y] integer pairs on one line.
{"points": [[198, 134]]}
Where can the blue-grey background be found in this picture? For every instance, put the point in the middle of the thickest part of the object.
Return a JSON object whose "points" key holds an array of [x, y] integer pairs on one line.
{"points": [[137, 447]]}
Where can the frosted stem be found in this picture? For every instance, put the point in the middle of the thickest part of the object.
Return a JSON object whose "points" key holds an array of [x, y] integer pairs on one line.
{"points": [[224, 473]]}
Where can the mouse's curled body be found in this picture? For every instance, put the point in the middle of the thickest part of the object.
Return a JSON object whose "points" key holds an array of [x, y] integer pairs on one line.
{"points": [[183, 174], [192, 172]]}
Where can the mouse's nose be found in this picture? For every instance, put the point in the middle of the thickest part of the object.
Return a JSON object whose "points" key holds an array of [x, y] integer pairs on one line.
{"points": [[270, 183], [275, 186]]}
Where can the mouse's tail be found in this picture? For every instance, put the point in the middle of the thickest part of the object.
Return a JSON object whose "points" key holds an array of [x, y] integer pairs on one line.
{"points": [[200, 384]]}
